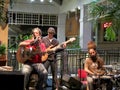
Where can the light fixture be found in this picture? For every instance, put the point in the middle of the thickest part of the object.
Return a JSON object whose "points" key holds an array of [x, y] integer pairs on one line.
{"points": [[78, 7], [41, 0], [50, 1], [32, 0]]}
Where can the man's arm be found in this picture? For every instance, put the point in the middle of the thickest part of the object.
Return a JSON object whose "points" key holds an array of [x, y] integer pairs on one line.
{"points": [[25, 43]]}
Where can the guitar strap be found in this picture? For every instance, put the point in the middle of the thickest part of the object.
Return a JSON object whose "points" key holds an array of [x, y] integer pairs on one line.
{"points": [[54, 42], [49, 42], [46, 41]]}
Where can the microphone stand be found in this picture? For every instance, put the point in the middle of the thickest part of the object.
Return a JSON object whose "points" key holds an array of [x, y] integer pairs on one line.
{"points": [[80, 61]]}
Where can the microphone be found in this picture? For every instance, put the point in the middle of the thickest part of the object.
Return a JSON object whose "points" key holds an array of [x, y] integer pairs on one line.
{"points": [[35, 41]]}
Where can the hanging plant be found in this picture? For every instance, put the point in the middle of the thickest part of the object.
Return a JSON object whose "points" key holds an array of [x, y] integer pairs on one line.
{"points": [[110, 34], [109, 10]]}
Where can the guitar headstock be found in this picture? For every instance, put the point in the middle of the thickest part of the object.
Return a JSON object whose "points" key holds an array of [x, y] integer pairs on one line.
{"points": [[72, 39]]}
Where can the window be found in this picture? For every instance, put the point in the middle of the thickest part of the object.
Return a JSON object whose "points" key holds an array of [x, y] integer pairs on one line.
{"points": [[33, 19]]}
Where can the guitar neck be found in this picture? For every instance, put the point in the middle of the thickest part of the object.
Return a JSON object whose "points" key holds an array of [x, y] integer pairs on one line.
{"points": [[66, 42], [60, 45]]}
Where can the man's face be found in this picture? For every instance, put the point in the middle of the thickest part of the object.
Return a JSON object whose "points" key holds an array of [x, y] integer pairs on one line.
{"points": [[36, 33], [50, 34]]}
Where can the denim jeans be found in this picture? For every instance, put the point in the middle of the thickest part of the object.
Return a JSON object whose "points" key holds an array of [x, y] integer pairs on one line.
{"points": [[39, 68]]}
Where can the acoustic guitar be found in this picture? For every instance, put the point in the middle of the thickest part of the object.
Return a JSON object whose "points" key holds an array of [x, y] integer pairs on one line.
{"points": [[53, 49], [23, 54]]}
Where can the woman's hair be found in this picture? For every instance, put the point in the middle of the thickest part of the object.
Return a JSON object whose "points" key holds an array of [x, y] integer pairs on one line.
{"points": [[91, 44]]}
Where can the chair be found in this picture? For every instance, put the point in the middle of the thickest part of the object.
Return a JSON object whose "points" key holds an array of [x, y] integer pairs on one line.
{"points": [[82, 74]]}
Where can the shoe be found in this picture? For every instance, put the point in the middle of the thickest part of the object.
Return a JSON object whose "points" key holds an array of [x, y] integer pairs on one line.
{"points": [[26, 89], [39, 88], [32, 88], [54, 87], [45, 85]]}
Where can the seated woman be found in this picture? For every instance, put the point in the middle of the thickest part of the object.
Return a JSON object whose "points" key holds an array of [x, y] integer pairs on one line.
{"points": [[94, 67]]}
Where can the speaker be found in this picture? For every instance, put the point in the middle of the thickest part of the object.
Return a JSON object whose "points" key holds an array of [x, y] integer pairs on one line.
{"points": [[11, 80], [73, 83]]}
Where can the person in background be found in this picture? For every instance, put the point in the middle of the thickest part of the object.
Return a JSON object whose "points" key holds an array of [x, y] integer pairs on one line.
{"points": [[34, 63]]}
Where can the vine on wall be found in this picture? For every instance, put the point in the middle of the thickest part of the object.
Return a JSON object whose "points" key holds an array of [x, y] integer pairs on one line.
{"points": [[3, 13]]}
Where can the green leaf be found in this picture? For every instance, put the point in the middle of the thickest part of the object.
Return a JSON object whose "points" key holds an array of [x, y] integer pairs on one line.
{"points": [[110, 34]]}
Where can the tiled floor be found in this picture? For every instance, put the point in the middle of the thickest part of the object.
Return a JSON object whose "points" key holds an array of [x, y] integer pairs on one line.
{"points": [[49, 82], [50, 88]]}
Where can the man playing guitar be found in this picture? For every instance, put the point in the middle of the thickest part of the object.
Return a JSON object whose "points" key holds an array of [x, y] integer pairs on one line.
{"points": [[50, 40], [33, 53], [32, 61]]}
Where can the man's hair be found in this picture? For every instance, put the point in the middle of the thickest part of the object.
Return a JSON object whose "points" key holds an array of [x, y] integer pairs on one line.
{"points": [[38, 29], [51, 30]]}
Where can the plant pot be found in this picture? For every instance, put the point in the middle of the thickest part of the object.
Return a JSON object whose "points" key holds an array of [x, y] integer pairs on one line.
{"points": [[3, 60]]}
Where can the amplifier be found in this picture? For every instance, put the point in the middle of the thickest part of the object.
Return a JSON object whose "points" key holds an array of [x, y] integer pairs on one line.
{"points": [[11, 80], [71, 82]]}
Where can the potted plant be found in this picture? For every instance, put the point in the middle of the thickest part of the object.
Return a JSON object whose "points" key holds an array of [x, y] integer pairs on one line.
{"points": [[2, 49], [2, 54]]}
